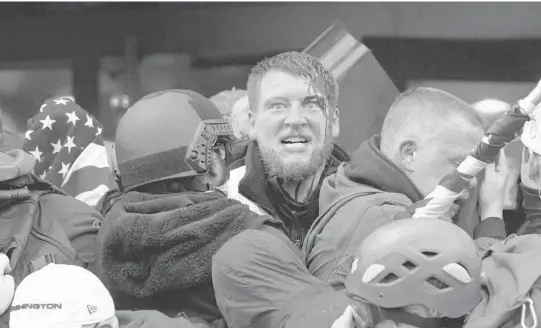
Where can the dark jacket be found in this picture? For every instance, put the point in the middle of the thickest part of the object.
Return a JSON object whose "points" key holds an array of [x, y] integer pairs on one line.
{"points": [[531, 207], [80, 221], [386, 195], [250, 184], [156, 249]]}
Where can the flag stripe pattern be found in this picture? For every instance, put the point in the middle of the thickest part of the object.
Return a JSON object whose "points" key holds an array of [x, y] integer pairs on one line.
{"points": [[337, 50], [504, 130], [68, 147]]}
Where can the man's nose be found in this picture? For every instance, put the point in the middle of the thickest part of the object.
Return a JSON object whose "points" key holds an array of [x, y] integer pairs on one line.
{"points": [[295, 116]]}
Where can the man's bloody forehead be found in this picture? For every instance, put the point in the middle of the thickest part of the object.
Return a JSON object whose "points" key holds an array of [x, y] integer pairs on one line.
{"points": [[317, 94]]}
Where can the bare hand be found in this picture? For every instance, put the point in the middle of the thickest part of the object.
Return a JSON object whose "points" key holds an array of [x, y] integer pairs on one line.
{"points": [[493, 187]]}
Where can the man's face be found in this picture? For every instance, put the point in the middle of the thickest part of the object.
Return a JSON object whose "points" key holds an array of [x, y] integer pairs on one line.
{"points": [[293, 125], [437, 157]]}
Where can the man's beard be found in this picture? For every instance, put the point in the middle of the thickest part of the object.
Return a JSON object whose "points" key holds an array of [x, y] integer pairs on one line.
{"points": [[300, 168]]}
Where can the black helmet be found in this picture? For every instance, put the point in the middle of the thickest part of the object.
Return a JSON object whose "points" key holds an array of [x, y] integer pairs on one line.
{"points": [[166, 135]]}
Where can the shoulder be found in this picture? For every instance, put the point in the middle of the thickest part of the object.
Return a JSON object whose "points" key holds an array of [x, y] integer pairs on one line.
{"points": [[67, 208], [329, 255], [375, 204]]}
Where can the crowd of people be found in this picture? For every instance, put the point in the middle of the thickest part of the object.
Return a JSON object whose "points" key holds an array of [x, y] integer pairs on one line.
{"points": [[242, 211]]}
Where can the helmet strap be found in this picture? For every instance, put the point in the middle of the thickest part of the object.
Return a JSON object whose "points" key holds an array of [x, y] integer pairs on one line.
{"points": [[400, 316]]}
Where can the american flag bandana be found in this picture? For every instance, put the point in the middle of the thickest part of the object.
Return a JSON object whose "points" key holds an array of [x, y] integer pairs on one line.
{"points": [[68, 147], [504, 130]]}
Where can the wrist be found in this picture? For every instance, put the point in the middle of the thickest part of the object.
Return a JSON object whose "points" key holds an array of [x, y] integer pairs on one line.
{"points": [[493, 211]]}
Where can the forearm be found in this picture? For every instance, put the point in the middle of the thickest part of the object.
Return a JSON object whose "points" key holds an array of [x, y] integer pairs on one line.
{"points": [[531, 202], [491, 222], [532, 208], [493, 227]]}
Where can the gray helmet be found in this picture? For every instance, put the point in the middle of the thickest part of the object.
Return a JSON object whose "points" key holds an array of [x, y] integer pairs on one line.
{"points": [[167, 135], [418, 261]]}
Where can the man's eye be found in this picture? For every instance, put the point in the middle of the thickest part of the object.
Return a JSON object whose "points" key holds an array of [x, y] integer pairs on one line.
{"points": [[277, 106], [311, 106]]}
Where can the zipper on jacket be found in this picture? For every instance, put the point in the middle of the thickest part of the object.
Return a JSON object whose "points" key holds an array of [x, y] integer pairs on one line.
{"points": [[54, 243]]}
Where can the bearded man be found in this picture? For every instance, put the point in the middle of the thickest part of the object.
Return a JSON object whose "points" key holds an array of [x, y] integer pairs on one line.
{"points": [[294, 122]]}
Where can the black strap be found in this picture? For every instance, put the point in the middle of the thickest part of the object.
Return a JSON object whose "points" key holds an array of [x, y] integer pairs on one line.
{"points": [[153, 167], [397, 315], [43, 261], [49, 258]]}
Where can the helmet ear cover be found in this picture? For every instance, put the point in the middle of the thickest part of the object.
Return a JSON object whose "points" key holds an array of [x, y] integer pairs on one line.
{"points": [[209, 133], [183, 161]]}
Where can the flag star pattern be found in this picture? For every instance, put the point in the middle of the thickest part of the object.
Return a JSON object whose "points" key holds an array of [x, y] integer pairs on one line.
{"points": [[69, 143], [69, 153], [61, 101], [57, 147], [47, 123], [89, 121], [36, 153], [72, 118], [43, 175], [64, 169], [28, 134]]}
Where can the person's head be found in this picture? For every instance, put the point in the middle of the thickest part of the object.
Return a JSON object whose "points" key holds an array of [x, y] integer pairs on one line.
{"points": [[294, 114], [427, 133], [426, 267], [62, 132], [62, 296], [240, 118], [172, 141], [225, 100]]}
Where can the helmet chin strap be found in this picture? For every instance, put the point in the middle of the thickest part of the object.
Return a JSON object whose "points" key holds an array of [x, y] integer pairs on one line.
{"points": [[400, 316]]}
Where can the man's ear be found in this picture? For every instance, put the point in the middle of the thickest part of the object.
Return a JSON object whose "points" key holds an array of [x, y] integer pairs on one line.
{"points": [[335, 123], [406, 152], [252, 118]]}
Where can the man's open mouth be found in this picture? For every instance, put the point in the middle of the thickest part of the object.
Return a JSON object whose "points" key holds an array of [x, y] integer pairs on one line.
{"points": [[294, 140]]}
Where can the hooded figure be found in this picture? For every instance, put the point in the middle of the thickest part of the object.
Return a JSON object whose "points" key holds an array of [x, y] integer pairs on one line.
{"points": [[426, 134], [68, 147], [162, 229], [294, 121]]}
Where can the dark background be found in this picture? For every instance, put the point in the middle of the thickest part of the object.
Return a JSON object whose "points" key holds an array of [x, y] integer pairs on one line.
{"points": [[98, 51]]}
